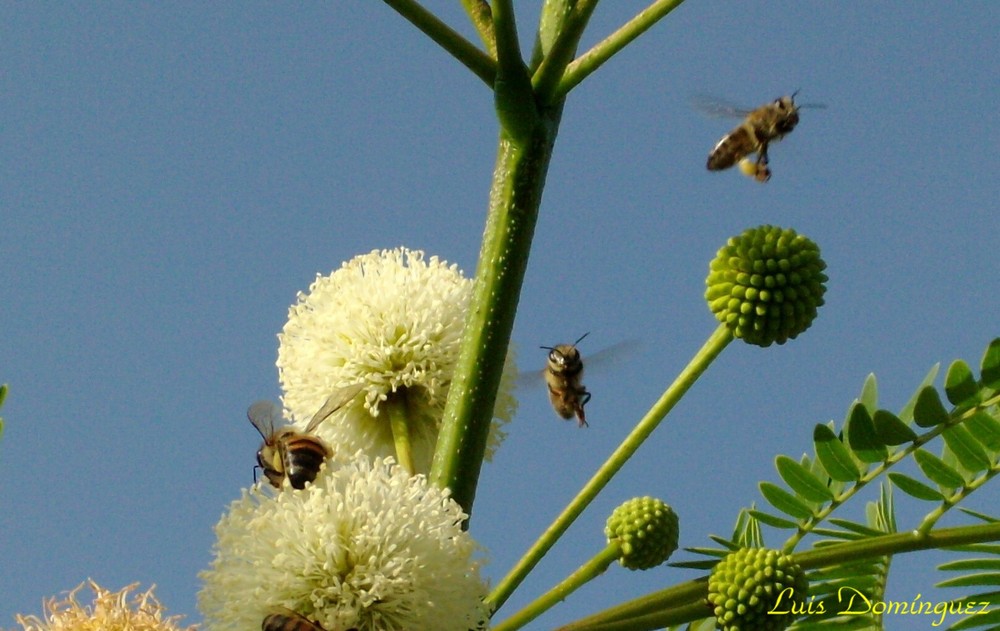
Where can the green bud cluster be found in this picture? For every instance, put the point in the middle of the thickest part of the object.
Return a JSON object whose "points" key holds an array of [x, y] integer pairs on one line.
{"points": [[646, 530], [766, 284], [748, 583]]}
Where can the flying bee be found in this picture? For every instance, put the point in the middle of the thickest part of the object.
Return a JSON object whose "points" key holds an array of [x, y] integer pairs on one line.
{"points": [[760, 127], [563, 374], [287, 620], [286, 452]]}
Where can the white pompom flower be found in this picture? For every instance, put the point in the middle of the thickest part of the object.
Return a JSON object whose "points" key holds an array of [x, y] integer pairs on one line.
{"points": [[388, 323], [366, 547]]}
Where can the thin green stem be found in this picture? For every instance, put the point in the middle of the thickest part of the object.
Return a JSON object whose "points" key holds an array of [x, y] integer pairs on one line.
{"points": [[932, 518], [518, 180], [561, 52], [662, 608], [550, 21], [400, 424], [585, 573], [698, 364], [481, 17], [590, 61], [460, 48], [515, 98]]}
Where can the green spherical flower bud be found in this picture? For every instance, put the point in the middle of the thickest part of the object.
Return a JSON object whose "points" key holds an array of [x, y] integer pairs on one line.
{"points": [[766, 284], [748, 583], [646, 531]]}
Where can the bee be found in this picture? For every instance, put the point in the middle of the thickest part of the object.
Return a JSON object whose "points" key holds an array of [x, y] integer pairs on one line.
{"points": [[287, 620], [760, 127], [286, 452], [562, 376]]}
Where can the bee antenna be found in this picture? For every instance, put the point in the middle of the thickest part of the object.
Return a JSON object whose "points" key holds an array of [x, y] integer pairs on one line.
{"points": [[581, 338], [548, 348]]}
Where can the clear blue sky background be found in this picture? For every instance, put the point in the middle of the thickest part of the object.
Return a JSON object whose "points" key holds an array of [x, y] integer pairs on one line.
{"points": [[172, 174]]}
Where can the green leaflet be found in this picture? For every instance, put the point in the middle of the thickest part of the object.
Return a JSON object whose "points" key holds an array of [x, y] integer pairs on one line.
{"points": [[891, 430], [869, 393], [986, 429], [929, 411], [915, 488], [862, 437], [906, 414], [937, 471], [801, 480], [773, 521], [959, 384], [990, 366], [981, 578], [967, 450], [784, 501], [834, 456]]}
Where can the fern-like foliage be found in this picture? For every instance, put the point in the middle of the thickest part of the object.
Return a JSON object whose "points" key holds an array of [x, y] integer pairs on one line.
{"points": [[980, 570], [955, 450]]}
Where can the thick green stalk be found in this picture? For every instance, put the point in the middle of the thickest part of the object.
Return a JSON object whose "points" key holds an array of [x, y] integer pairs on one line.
{"points": [[585, 573], [527, 137], [460, 48], [518, 179], [591, 60], [698, 364]]}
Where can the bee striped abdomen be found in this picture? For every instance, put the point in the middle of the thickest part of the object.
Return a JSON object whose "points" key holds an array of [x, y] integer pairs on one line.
{"points": [[303, 456], [289, 621], [735, 145]]}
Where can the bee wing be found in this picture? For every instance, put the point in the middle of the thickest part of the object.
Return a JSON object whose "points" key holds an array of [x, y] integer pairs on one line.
{"points": [[337, 400], [611, 355], [717, 108], [264, 415]]}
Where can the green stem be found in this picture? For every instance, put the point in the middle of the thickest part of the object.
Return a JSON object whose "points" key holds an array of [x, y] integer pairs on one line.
{"points": [[600, 53], [698, 364], [516, 193], [562, 49], [515, 98], [482, 19], [399, 422], [662, 608], [585, 573], [954, 500], [460, 48]]}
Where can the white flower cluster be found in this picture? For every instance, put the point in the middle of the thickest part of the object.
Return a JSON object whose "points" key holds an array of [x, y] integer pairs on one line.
{"points": [[389, 322], [366, 547]]}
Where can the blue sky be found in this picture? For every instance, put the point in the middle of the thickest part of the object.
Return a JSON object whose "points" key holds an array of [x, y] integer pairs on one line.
{"points": [[172, 174]]}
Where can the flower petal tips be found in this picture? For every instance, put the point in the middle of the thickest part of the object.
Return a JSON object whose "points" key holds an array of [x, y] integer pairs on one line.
{"points": [[766, 285], [110, 611], [367, 546]]}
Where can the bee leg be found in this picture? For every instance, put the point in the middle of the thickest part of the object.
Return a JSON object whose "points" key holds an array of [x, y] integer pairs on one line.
{"points": [[581, 418], [762, 159], [762, 172]]}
